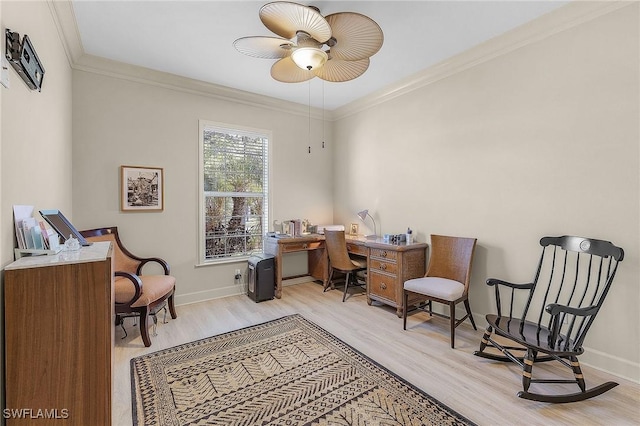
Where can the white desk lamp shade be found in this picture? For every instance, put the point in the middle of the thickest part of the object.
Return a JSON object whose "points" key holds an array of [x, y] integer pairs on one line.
{"points": [[363, 215]]}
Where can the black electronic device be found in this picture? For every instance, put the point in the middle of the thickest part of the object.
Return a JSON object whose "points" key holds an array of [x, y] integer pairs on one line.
{"points": [[23, 58], [62, 226], [262, 280]]}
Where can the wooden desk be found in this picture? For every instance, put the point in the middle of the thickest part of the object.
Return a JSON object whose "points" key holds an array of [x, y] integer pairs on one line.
{"points": [[313, 244], [388, 265]]}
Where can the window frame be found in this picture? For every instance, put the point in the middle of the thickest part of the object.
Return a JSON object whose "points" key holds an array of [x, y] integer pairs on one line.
{"points": [[218, 126]]}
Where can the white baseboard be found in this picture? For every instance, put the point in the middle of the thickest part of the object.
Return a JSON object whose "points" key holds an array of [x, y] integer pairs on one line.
{"points": [[215, 293], [231, 290]]}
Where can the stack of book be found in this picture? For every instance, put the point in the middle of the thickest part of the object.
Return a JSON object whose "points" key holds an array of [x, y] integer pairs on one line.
{"points": [[33, 236]]}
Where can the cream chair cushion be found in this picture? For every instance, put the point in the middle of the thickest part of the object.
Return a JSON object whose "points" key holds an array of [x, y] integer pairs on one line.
{"points": [[441, 288]]}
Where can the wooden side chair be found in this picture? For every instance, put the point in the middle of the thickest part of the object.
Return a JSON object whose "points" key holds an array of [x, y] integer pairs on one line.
{"points": [[136, 294], [341, 262], [550, 323], [446, 281]]}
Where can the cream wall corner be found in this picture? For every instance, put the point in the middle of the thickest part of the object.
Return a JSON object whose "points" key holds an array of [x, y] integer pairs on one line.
{"points": [[125, 115], [35, 128], [542, 139]]}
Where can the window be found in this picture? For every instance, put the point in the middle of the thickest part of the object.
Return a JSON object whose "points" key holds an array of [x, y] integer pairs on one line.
{"points": [[234, 183]]}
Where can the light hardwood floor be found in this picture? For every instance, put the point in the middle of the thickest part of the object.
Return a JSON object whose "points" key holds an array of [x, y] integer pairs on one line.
{"points": [[482, 390]]}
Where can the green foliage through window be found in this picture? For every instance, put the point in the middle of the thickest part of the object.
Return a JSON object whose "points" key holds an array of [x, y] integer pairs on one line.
{"points": [[235, 182]]}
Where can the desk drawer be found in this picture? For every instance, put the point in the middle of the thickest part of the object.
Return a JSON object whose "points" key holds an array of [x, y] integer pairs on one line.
{"points": [[383, 265], [390, 255], [382, 285], [357, 249], [290, 247]]}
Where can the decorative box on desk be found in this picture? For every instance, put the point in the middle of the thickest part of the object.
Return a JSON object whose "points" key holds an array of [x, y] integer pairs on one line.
{"points": [[389, 266], [59, 316]]}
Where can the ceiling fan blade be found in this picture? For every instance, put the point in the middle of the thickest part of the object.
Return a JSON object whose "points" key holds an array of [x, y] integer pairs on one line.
{"points": [[264, 47], [337, 70], [286, 71], [286, 18], [357, 36]]}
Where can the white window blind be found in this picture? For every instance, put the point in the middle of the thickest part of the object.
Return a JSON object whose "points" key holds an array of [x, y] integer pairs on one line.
{"points": [[235, 187]]}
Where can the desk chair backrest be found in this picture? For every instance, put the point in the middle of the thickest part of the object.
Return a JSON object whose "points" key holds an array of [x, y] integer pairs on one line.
{"points": [[451, 258], [337, 249]]}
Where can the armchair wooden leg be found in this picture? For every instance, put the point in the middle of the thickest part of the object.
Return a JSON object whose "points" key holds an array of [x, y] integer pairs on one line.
{"points": [[172, 306], [144, 327]]}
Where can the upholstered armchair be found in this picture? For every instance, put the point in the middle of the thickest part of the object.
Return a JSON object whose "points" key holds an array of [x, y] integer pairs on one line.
{"points": [[136, 294]]}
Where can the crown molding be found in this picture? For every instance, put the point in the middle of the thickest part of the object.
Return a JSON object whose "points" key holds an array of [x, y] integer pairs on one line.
{"points": [[566, 17], [65, 21], [134, 73]]}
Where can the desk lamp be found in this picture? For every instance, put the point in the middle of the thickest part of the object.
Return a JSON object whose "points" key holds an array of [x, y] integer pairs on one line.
{"points": [[363, 215]]}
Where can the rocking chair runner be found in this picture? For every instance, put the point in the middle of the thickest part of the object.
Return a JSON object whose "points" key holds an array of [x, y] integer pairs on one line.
{"points": [[572, 279]]}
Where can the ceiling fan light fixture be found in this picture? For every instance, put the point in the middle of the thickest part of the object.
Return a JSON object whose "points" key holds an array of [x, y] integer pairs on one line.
{"points": [[309, 58], [303, 34]]}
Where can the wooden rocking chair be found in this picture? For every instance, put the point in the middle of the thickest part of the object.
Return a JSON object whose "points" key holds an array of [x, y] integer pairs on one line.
{"points": [[572, 279]]}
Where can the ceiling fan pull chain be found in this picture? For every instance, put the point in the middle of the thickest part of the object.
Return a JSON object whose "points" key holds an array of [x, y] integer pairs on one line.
{"points": [[309, 116], [323, 123]]}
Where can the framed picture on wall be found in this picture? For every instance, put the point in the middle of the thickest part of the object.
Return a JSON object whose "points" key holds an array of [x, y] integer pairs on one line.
{"points": [[354, 229], [141, 189]]}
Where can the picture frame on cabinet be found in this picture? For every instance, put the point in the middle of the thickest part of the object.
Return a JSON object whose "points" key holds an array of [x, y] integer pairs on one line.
{"points": [[141, 189], [354, 229]]}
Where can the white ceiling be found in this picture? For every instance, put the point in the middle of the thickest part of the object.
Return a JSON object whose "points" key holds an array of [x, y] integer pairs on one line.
{"points": [[194, 39]]}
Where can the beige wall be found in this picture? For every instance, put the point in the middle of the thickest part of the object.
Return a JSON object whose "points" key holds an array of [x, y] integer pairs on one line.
{"points": [[543, 140], [35, 135], [36, 126], [538, 141], [122, 121]]}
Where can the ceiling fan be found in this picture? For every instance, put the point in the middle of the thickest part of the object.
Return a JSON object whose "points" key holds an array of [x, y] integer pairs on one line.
{"points": [[334, 48]]}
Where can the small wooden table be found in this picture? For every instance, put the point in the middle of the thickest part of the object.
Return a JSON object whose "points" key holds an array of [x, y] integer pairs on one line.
{"points": [[388, 265], [313, 244]]}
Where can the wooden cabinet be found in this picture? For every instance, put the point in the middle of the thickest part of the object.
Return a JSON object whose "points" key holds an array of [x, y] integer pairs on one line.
{"points": [[389, 266], [59, 338]]}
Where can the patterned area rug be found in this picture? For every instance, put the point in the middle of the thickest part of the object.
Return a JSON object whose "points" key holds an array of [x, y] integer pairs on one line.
{"points": [[284, 372]]}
